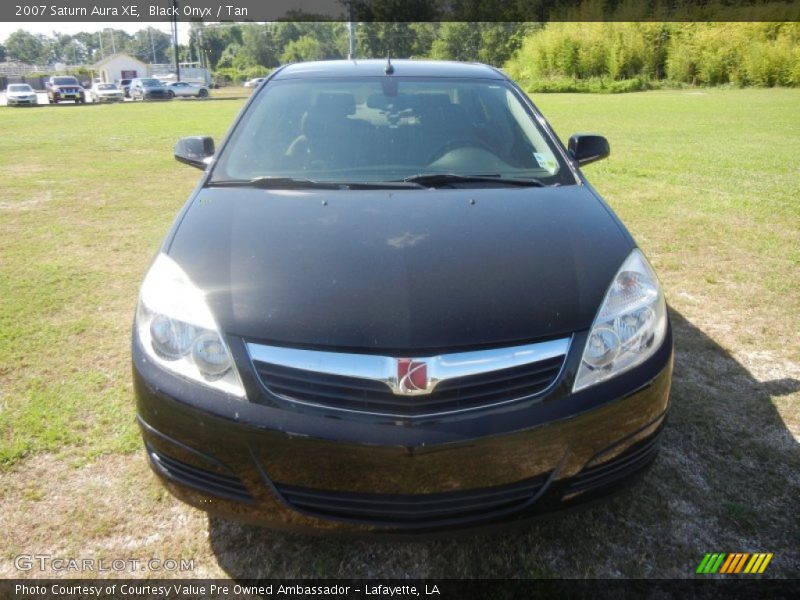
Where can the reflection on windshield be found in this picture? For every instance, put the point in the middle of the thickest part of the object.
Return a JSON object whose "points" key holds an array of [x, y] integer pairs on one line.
{"points": [[360, 129]]}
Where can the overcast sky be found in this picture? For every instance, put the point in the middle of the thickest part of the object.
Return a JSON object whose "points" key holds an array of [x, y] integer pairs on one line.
{"points": [[47, 28]]}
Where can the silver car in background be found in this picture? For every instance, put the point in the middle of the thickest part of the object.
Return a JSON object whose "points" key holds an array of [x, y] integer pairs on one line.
{"points": [[106, 92], [182, 89], [19, 94]]}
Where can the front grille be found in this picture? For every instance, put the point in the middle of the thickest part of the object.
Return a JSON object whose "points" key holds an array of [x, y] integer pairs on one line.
{"points": [[629, 462], [416, 510], [223, 486], [371, 396]]}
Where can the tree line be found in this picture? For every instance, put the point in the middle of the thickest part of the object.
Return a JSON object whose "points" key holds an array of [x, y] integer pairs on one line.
{"points": [[242, 47], [149, 45], [549, 56]]}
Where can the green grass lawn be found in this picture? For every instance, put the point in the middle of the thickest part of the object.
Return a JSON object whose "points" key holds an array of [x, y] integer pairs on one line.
{"points": [[708, 184], [87, 194], [707, 181]]}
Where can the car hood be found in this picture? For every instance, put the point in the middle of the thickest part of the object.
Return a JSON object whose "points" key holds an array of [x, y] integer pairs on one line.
{"points": [[408, 270]]}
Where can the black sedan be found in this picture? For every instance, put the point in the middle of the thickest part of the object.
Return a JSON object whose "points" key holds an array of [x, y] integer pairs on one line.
{"points": [[148, 89], [395, 304]]}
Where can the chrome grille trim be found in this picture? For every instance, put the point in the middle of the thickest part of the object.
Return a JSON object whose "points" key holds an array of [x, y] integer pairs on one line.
{"points": [[383, 369]]}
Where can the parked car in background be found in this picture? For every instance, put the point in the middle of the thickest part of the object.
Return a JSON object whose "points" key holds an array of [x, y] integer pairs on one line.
{"points": [[254, 83], [148, 89], [106, 92], [186, 90], [395, 303], [125, 86], [20, 94], [64, 87]]}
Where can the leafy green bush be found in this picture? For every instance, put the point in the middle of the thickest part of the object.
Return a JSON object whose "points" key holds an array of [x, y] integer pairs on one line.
{"points": [[758, 53]]}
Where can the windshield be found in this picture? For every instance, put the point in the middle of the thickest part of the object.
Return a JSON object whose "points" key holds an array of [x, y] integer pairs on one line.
{"points": [[374, 129], [151, 83], [65, 81], [106, 86], [20, 87]]}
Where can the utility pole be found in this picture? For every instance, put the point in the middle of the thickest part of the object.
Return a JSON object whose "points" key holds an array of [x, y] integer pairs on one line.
{"points": [[175, 41], [351, 41], [113, 44], [152, 45], [199, 44], [102, 54], [203, 48], [351, 33]]}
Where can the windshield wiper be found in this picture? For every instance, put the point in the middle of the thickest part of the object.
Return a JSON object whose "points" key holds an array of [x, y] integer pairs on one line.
{"points": [[296, 183], [275, 183], [438, 179]]}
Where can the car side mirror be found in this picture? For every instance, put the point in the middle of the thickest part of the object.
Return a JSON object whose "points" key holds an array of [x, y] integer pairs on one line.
{"points": [[587, 148], [195, 150]]}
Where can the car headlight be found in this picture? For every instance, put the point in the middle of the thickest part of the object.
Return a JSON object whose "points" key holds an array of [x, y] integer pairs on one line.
{"points": [[178, 332], [629, 327]]}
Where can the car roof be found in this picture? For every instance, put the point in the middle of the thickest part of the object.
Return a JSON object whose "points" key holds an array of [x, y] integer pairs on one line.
{"points": [[376, 67]]}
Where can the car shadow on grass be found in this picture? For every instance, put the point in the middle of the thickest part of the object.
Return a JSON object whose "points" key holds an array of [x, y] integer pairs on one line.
{"points": [[727, 479]]}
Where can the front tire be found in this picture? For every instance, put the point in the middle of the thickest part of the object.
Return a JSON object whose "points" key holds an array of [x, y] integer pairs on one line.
{"points": [[170, 94], [203, 93]]}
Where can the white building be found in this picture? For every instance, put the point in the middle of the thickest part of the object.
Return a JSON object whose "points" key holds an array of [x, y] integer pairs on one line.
{"points": [[119, 66]]}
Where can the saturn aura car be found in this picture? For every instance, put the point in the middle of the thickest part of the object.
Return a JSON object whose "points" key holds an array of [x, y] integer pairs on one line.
{"points": [[394, 303]]}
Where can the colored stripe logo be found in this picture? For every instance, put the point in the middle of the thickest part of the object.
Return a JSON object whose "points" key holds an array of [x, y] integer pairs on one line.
{"points": [[734, 563]]}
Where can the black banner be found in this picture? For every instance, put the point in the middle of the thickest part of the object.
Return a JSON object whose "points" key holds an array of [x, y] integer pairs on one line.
{"points": [[399, 589], [396, 11]]}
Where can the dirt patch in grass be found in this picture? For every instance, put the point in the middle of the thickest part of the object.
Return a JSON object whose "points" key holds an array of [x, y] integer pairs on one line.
{"points": [[32, 203]]}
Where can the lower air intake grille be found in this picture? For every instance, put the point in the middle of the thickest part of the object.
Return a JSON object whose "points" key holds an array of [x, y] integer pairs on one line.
{"points": [[415, 510], [619, 467], [223, 486]]}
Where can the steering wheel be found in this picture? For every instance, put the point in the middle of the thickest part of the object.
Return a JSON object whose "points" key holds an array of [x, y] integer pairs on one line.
{"points": [[455, 144]]}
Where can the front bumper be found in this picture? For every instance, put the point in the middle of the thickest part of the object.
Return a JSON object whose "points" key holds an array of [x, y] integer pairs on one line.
{"points": [[20, 101], [291, 469], [62, 97]]}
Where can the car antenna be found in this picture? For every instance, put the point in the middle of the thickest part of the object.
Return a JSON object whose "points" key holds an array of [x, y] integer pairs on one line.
{"points": [[389, 66]]}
